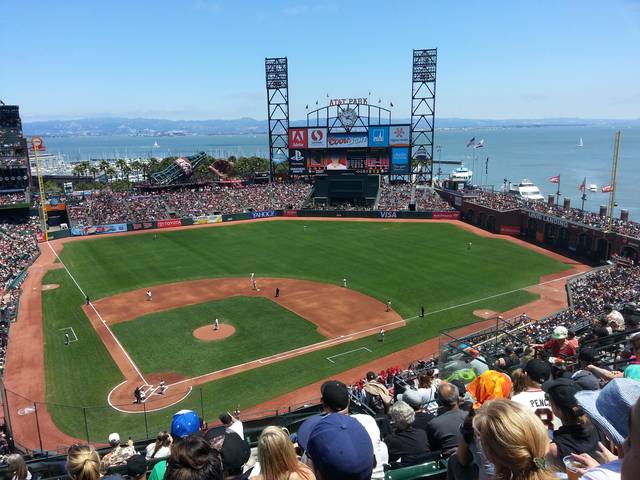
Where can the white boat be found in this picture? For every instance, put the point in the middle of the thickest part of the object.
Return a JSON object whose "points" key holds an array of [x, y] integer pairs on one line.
{"points": [[155, 144], [593, 187], [461, 174], [580, 144], [526, 190]]}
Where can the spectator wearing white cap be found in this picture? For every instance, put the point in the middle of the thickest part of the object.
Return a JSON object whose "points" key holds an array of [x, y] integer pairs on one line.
{"points": [[557, 345], [119, 454]]}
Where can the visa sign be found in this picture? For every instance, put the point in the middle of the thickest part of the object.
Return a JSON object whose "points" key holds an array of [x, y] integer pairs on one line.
{"points": [[378, 136]]}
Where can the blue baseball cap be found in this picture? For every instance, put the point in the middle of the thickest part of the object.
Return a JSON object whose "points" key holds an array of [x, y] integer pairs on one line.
{"points": [[184, 423], [341, 448], [610, 408], [305, 429]]}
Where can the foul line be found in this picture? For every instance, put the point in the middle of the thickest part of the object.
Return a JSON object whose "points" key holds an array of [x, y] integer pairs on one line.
{"points": [[345, 353], [126, 354]]}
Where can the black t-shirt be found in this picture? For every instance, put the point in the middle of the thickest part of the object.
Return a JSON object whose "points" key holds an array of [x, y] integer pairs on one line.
{"points": [[422, 419], [442, 431], [408, 447], [576, 439]]}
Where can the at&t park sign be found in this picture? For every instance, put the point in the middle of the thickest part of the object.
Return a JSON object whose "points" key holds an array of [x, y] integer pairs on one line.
{"points": [[346, 101]]}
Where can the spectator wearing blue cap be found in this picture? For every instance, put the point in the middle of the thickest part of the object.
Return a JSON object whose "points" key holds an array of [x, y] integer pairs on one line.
{"points": [[610, 410], [340, 449], [183, 424]]}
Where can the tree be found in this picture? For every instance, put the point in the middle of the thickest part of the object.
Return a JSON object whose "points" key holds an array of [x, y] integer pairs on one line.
{"points": [[51, 187], [104, 166], [122, 165], [77, 170], [93, 170], [110, 172]]}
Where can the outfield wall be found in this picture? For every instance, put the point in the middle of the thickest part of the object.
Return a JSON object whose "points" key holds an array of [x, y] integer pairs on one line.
{"points": [[106, 229]]}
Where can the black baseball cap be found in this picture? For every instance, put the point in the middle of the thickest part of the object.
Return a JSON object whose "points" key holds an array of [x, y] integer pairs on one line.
{"points": [[562, 392], [136, 466], [335, 395], [586, 354], [538, 370]]}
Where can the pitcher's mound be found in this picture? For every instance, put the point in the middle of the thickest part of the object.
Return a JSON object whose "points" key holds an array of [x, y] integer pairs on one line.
{"points": [[208, 334]]}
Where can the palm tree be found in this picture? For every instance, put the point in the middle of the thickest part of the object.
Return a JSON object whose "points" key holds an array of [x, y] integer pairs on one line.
{"points": [[110, 172], [121, 164], [104, 166], [136, 165], [77, 170], [93, 170]]}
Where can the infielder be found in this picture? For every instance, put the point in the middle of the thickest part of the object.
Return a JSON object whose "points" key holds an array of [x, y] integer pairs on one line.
{"points": [[381, 335], [388, 309], [149, 295], [344, 283]]}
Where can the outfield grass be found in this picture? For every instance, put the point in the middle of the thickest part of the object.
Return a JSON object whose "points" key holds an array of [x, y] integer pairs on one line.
{"points": [[263, 328], [409, 263]]}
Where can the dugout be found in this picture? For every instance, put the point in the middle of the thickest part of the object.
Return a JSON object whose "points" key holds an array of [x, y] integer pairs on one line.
{"points": [[336, 189]]}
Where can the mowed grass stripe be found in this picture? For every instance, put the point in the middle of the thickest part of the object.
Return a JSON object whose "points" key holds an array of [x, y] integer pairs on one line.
{"points": [[263, 328]]}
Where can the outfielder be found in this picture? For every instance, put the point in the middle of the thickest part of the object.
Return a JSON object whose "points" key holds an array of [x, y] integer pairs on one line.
{"points": [[66, 339]]}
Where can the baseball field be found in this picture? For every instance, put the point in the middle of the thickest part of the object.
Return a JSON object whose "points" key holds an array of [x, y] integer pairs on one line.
{"points": [[314, 329]]}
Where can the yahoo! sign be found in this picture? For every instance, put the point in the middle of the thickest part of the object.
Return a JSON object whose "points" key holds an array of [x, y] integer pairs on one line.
{"points": [[265, 214]]}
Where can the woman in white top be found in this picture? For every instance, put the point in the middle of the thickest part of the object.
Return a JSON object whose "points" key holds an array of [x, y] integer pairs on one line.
{"points": [[17, 467], [161, 448]]}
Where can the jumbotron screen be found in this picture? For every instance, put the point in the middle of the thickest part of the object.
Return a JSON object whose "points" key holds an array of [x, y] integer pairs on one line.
{"points": [[383, 149]]}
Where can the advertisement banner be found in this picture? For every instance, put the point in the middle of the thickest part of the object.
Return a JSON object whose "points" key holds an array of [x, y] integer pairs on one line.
{"points": [[445, 215], [297, 138], [509, 230], [290, 213], [400, 161], [378, 136], [141, 226], [386, 214], [206, 219], [317, 138], [264, 214], [297, 162], [98, 229], [171, 222], [347, 140], [399, 135]]}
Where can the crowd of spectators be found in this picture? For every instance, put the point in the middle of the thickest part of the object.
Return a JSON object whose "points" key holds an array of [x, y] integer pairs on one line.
{"points": [[502, 202], [7, 199], [121, 207], [398, 196]]}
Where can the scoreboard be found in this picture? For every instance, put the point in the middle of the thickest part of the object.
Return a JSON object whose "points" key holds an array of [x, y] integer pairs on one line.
{"points": [[381, 150]]}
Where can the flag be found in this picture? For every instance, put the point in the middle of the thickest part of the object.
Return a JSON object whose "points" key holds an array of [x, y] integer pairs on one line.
{"points": [[607, 189], [555, 179], [583, 185], [379, 100], [471, 142], [480, 144], [327, 95], [316, 102], [307, 107], [486, 166], [391, 104]]}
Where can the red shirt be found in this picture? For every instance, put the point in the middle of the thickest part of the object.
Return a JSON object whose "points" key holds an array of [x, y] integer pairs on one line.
{"points": [[558, 347]]}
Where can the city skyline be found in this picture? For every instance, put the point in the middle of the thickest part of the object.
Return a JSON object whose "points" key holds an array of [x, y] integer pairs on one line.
{"points": [[202, 59]]}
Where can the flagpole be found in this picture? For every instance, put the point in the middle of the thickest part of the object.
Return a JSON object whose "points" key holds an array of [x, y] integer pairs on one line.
{"points": [[614, 174], [584, 192], [558, 192]]}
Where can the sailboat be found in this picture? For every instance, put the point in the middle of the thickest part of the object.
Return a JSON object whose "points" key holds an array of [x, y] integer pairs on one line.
{"points": [[580, 144], [155, 144]]}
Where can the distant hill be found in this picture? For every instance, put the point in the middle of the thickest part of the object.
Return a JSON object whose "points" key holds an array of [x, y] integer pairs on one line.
{"points": [[155, 127]]}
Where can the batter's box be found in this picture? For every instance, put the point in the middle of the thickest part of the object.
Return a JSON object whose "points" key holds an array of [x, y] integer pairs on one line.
{"points": [[71, 332]]}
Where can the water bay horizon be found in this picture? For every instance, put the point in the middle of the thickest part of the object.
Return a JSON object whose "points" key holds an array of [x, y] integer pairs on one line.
{"points": [[514, 153]]}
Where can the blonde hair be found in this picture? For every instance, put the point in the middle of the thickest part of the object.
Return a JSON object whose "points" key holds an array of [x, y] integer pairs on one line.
{"points": [[277, 455], [514, 440], [17, 466], [83, 463]]}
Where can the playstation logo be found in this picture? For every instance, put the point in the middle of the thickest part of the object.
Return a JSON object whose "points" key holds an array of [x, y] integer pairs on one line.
{"points": [[297, 157]]}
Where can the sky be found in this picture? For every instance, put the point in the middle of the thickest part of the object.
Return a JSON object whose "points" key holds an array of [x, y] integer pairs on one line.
{"points": [[204, 59]]}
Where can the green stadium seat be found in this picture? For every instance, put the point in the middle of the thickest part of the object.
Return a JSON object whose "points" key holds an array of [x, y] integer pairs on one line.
{"points": [[431, 470]]}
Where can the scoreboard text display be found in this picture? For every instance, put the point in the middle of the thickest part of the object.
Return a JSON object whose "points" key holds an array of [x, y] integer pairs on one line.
{"points": [[314, 150]]}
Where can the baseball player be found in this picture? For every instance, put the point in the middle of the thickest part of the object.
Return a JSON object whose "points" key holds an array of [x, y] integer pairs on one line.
{"points": [[469, 246], [87, 300], [422, 311], [381, 335], [149, 295], [216, 324], [277, 292], [388, 309], [162, 386], [66, 339], [344, 283]]}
